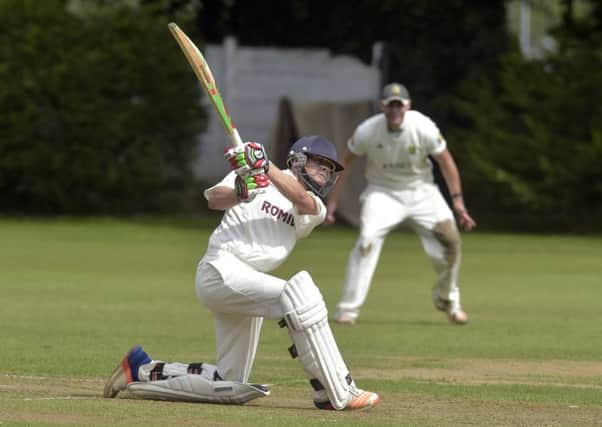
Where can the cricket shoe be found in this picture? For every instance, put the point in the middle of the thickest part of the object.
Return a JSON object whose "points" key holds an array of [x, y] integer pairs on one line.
{"points": [[344, 319], [126, 372], [360, 400], [456, 315]]}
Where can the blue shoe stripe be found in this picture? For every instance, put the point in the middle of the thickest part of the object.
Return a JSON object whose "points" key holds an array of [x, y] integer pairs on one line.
{"points": [[136, 358]]}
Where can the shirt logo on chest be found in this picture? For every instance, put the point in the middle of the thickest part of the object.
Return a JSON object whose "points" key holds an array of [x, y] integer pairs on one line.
{"points": [[278, 213], [397, 165]]}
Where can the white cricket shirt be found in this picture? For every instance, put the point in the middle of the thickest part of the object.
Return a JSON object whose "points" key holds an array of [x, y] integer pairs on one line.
{"points": [[399, 159], [264, 232]]}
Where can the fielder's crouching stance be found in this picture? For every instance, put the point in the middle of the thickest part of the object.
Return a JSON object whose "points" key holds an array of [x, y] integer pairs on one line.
{"points": [[266, 211]]}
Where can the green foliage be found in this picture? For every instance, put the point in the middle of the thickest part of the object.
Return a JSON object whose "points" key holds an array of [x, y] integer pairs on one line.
{"points": [[534, 136], [98, 111]]}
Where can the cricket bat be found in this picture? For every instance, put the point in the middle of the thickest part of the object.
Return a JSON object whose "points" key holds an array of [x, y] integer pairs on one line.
{"points": [[203, 72]]}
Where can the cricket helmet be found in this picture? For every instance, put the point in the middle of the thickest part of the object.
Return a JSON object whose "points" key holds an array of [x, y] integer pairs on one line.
{"points": [[314, 146]]}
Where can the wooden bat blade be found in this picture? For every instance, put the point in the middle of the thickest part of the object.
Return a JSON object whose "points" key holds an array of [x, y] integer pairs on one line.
{"points": [[203, 73]]}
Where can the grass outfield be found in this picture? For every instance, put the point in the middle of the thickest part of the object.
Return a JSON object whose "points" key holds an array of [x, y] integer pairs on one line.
{"points": [[76, 294]]}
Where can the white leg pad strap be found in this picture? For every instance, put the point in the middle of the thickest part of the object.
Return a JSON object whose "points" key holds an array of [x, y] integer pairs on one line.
{"points": [[196, 388], [307, 320]]}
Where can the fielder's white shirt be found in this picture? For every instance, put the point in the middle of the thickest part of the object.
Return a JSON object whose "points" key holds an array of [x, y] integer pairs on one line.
{"points": [[398, 160], [261, 233]]}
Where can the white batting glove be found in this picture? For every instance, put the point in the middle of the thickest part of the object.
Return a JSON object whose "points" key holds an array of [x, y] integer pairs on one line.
{"points": [[249, 186], [248, 159]]}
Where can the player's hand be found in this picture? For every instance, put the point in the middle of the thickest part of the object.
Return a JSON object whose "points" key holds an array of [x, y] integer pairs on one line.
{"points": [[247, 187], [251, 156], [465, 221]]}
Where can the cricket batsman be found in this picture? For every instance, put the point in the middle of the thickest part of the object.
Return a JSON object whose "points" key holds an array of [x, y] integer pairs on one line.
{"points": [[265, 211], [397, 144]]}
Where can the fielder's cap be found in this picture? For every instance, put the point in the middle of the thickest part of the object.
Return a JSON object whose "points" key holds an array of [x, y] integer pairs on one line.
{"points": [[395, 92], [316, 145]]}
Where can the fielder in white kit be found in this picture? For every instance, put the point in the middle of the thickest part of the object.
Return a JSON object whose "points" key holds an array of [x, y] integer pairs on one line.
{"points": [[266, 211], [397, 144]]}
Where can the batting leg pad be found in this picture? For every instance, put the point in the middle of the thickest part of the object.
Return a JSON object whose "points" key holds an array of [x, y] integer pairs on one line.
{"points": [[196, 388], [306, 316]]}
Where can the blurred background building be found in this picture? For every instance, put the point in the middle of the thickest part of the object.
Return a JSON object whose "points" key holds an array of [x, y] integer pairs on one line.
{"points": [[254, 80]]}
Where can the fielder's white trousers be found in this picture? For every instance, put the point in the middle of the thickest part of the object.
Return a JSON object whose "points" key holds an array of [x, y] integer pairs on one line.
{"points": [[383, 209], [239, 297]]}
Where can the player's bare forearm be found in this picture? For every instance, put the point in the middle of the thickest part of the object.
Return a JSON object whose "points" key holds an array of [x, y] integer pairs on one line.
{"points": [[221, 198], [292, 189], [450, 173]]}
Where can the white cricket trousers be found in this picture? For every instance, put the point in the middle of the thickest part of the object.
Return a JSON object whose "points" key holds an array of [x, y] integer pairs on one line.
{"points": [[383, 209], [239, 298]]}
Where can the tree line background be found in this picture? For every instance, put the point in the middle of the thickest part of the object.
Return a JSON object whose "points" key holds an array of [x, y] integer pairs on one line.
{"points": [[97, 116]]}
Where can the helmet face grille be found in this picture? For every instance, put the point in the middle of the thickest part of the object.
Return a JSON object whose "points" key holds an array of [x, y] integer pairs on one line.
{"points": [[314, 147], [319, 190]]}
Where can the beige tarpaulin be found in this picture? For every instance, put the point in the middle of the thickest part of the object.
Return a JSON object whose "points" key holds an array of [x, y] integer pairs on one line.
{"points": [[336, 121]]}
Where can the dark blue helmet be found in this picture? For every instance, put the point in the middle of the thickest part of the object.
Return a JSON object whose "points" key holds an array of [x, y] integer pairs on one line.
{"points": [[316, 145], [321, 149]]}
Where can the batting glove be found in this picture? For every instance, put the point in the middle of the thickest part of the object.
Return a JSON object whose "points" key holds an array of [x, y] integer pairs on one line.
{"points": [[251, 156], [249, 186]]}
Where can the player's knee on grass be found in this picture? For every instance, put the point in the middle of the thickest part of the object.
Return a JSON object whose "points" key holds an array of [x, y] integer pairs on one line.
{"points": [[196, 388], [447, 234]]}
